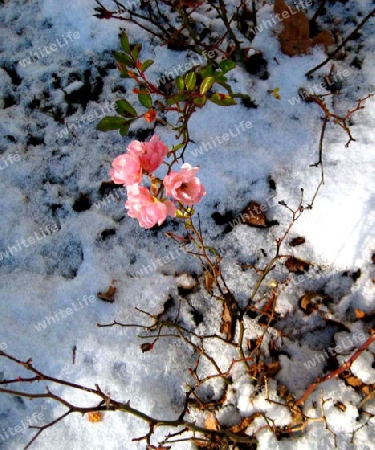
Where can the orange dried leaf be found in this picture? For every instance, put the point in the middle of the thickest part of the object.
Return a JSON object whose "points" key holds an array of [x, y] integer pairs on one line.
{"points": [[359, 314], [211, 422], [108, 296], [95, 416], [353, 381]]}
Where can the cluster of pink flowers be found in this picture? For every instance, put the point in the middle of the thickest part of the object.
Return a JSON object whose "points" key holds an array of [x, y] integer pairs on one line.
{"points": [[143, 158]]}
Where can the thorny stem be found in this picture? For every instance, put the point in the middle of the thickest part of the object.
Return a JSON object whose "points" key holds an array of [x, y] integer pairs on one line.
{"points": [[107, 403]]}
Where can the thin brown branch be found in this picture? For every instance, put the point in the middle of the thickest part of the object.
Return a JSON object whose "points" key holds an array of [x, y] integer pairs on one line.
{"points": [[344, 367], [332, 54]]}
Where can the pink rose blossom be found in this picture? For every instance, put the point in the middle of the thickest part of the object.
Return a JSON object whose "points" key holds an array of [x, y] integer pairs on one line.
{"points": [[147, 209], [126, 170], [184, 186], [151, 154]]}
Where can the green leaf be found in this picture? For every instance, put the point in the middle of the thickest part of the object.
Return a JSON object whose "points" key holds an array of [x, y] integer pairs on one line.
{"points": [[147, 64], [145, 100], [205, 71], [206, 84], [190, 80], [179, 84], [124, 59], [227, 65], [125, 109], [125, 129], [111, 123], [176, 99], [125, 42], [135, 51], [200, 101], [220, 78], [223, 100]]}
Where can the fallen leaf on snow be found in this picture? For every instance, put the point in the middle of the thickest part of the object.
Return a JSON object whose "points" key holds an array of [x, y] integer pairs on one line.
{"points": [[253, 215], [296, 265], [295, 37], [227, 323], [211, 422], [108, 296], [297, 241], [95, 416]]}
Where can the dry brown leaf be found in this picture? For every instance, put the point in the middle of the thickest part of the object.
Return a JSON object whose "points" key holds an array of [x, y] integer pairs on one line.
{"points": [[353, 381], [295, 37], [253, 215], [307, 303], [373, 258], [273, 369], [359, 314], [368, 389], [296, 265], [147, 347], [340, 406], [245, 423], [209, 281], [367, 317], [211, 422], [108, 296], [227, 323], [323, 38], [297, 241], [95, 416]]}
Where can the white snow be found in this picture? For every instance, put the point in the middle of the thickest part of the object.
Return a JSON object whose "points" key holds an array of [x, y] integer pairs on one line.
{"points": [[66, 268]]}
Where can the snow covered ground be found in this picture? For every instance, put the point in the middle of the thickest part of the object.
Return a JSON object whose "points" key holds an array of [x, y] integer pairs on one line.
{"points": [[60, 247]]}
